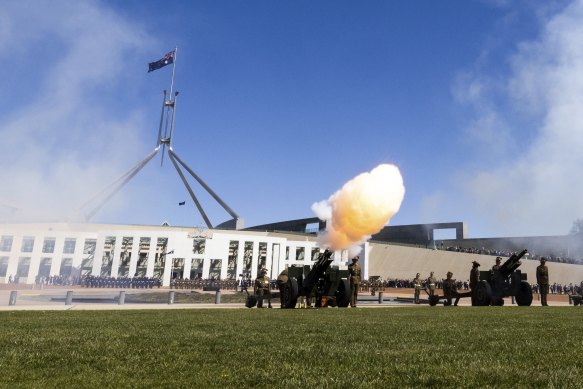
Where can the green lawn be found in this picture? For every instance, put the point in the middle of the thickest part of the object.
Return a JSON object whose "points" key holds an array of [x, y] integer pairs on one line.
{"points": [[308, 348]]}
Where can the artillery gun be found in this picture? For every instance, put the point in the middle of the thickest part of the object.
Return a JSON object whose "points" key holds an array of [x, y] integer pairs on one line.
{"points": [[328, 285], [504, 282]]}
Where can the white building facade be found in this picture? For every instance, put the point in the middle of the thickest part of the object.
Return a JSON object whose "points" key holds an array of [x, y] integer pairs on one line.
{"points": [[29, 252]]}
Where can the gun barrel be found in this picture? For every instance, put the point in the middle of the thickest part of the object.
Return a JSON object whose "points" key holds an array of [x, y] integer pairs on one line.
{"points": [[512, 263], [318, 269]]}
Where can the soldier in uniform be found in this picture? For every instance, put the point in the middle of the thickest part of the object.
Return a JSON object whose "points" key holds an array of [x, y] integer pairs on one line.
{"points": [[474, 275], [417, 285], [281, 283], [450, 290], [542, 278], [262, 289], [355, 278], [497, 265], [431, 284]]}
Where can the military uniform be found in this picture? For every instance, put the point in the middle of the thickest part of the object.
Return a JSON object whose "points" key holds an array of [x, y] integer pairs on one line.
{"points": [[542, 278], [355, 278], [417, 285], [262, 289], [282, 280], [431, 284], [474, 275], [496, 267], [450, 290]]}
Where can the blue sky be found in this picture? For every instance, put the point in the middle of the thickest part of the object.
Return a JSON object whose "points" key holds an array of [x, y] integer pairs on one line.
{"points": [[477, 102]]}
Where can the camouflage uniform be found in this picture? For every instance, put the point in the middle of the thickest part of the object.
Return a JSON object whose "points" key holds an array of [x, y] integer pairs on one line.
{"points": [[474, 275], [355, 278], [417, 285], [282, 280], [450, 290], [542, 278], [431, 284], [497, 265], [262, 289]]}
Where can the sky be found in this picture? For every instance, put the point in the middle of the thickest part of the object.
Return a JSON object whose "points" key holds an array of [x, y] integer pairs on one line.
{"points": [[281, 103]]}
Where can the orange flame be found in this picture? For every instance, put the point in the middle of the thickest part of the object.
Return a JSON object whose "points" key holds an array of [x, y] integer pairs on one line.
{"points": [[361, 208]]}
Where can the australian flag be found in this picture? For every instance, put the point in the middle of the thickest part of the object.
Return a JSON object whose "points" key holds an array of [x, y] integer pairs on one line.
{"points": [[166, 60]]}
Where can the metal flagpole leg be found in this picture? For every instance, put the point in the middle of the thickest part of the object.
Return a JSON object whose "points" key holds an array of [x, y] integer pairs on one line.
{"points": [[204, 185], [204, 216]]}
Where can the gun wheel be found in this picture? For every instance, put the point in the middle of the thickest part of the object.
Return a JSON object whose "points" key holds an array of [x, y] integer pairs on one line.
{"points": [[343, 293], [482, 294], [524, 295], [290, 293]]}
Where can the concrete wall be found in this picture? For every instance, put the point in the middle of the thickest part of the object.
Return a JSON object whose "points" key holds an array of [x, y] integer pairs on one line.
{"points": [[392, 261]]}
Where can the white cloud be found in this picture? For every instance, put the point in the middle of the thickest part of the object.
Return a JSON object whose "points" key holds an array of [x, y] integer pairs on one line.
{"points": [[68, 139]]}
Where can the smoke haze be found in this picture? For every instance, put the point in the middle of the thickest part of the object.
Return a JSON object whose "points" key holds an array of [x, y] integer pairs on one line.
{"points": [[60, 142]]}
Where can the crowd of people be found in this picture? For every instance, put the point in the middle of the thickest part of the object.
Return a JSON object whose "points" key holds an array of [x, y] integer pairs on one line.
{"points": [[507, 253], [394, 283]]}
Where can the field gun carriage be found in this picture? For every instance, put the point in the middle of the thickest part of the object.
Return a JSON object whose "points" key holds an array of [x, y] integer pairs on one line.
{"points": [[507, 281], [494, 285], [327, 285]]}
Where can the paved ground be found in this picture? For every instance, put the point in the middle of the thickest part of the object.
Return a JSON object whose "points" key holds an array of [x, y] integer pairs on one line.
{"points": [[54, 299]]}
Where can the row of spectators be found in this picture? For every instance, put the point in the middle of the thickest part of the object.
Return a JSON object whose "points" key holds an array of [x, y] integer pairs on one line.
{"points": [[507, 253], [120, 282], [366, 286]]}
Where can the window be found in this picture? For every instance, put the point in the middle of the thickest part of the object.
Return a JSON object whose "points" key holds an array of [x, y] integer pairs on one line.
{"points": [[44, 269], [198, 246], [66, 267], [27, 244], [23, 267], [247, 257], [88, 256], [261, 257], [49, 245], [3, 266], [108, 253], [300, 253], [6, 243], [215, 269], [315, 254], [89, 247], [196, 268], [69, 247], [232, 260]]}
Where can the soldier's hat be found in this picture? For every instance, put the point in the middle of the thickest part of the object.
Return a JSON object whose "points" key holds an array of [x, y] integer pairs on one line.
{"points": [[476, 263], [543, 259], [355, 258]]}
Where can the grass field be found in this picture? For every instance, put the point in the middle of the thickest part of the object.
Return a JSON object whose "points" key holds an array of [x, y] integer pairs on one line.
{"points": [[308, 348]]}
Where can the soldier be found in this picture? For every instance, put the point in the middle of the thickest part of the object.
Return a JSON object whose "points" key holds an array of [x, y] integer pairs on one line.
{"points": [[355, 278], [417, 285], [282, 280], [262, 289], [450, 290], [474, 275], [431, 284], [497, 265], [542, 278]]}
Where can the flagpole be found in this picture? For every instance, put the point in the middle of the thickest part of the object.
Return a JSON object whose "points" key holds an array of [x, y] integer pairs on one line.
{"points": [[173, 68]]}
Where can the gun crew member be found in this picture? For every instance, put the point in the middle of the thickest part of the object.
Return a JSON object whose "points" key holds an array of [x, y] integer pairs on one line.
{"points": [[417, 285], [261, 289], [355, 278]]}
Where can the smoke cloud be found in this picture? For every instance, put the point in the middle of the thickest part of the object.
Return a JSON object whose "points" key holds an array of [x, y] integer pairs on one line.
{"points": [[361, 208], [528, 131], [63, 133]]}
